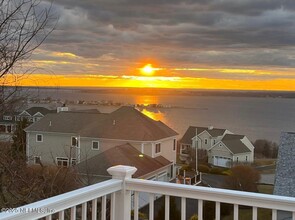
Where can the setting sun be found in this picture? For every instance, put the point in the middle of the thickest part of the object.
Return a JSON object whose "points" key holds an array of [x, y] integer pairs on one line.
{"points": [[148, 70]]}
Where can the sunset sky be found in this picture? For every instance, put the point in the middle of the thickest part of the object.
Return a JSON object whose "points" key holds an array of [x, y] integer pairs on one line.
{"points": [[213, 44]]}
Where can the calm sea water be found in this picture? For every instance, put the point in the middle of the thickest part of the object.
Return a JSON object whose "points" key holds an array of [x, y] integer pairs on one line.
{"points": [[258, 118]]}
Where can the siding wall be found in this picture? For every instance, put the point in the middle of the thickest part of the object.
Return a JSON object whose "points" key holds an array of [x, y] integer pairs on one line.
{"points": [[59, 145]]}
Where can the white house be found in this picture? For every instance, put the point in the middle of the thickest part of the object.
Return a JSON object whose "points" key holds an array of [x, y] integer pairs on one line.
{"points": [[222, 146]]}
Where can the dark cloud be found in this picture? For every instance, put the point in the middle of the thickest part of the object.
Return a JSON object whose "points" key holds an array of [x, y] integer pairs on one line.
{"points": [[208, 32]]}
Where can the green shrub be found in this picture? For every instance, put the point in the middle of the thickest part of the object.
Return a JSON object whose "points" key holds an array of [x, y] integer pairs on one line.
{"points": [[216, 170], [194, 217], [203, 168], [186, 168]]}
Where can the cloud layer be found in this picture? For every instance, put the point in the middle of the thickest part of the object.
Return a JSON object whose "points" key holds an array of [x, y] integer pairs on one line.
{"points": [[117, 36]]}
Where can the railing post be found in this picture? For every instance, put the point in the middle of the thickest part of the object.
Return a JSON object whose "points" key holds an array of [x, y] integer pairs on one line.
{"points": [[123, 197]]}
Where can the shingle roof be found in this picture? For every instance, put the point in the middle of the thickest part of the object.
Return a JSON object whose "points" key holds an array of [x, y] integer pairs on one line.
{"points": [[126, 123], [234, 143], [122, 155], [191, 132], [285, 171], [33, 110]]}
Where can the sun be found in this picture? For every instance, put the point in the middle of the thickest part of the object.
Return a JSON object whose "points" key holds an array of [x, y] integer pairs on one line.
{"points": [[148, 70]]}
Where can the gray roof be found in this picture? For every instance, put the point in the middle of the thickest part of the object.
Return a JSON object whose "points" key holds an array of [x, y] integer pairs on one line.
{"points": [[122, 155], [234, 144], [285, 171], [191, 132], [126, 123], [33, 110]]}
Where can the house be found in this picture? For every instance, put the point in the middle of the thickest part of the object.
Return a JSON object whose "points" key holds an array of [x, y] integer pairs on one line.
{"points": [[33, 114], [9, 120], [67, 138], [222, 146], [158, 168], [285, 170]]}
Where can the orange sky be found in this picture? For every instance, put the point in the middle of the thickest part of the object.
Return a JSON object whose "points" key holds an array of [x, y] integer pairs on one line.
{"points": [[151, 82], [56, 70]]}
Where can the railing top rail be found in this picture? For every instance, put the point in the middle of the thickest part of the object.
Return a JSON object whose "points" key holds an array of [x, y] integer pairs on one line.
{"points": [[61, 202], [213, 194]]}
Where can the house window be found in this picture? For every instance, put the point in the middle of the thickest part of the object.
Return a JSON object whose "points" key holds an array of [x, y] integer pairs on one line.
{"points": [[95, 145], [62, 161], [237, 159], [74, 141], [7, 118], [37, 159], [206, 141], [214, 141], [246, 158], [39, 138], [73, 161], [158, 148], [174, 145]]}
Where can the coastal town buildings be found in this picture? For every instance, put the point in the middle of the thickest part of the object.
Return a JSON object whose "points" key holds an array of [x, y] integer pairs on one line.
{"points": [[223, 148], [9, 120]]}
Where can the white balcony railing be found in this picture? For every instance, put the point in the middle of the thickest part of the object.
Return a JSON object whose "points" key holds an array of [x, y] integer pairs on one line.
{"points": [[113, 199]]}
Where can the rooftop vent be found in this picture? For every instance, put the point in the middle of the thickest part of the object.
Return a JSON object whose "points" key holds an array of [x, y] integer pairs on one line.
{"points": [[210, 128]]}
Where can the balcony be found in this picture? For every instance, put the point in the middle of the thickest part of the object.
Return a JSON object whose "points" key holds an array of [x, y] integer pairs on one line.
{"points": [[114, 199]]}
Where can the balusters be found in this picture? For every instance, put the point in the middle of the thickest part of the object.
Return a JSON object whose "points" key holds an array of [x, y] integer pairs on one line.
{"points": [[167, 207]]}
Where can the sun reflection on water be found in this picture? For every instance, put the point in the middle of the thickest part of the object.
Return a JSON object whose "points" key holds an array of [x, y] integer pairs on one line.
{"points": [[154, 114]]}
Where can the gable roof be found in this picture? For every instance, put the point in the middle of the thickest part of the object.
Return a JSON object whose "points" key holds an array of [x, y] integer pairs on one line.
{"points": [[191, 132], [234, 144], [33, 110], [126, 123], [122, 155], [285, 171]]}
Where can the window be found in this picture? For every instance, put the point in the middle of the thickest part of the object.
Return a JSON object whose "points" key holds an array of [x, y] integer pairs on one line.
{"points": [[206, 141], [174, 145], [74, 141], [95, 145], [214, 141], [73, 161], [37, 159], [158, 148], [7, 118], [39, 138], [237, 159], [62, 161], [246, 158]]}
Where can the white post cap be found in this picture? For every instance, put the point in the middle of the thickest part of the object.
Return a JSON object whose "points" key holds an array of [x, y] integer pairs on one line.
{"points": [[121, 172]]}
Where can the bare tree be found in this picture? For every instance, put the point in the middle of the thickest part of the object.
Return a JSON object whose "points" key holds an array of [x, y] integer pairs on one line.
{"points": [[24, 26]]}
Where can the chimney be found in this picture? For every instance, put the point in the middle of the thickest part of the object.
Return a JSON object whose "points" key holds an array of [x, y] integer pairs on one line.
{"points": [[49, 123]]}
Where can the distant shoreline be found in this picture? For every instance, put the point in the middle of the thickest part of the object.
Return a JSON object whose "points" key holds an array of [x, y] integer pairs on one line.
{"points": [[174, 92]]}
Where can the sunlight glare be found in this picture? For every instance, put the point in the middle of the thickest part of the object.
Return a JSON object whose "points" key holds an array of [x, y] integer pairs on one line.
{"points": [[148, 70]]}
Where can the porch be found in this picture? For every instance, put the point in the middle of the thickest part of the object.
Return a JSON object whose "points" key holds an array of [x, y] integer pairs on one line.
{"points": [[118, 196]]}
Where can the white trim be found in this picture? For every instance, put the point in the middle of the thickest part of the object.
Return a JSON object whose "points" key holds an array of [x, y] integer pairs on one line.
{"points": [[37, 137], [220, 142], [122, 140], [156, 148], [66, 158], [98, 145], [174, 145]]}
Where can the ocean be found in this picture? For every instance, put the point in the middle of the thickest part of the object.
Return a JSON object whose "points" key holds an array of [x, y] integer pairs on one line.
{"points": [[255, 117]]}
